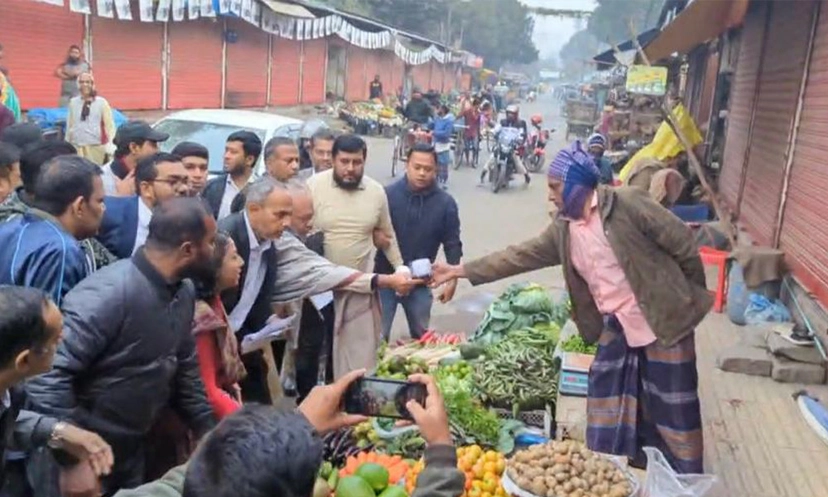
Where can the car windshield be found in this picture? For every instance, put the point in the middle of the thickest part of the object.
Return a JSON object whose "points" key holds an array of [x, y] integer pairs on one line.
{"points": [[213, 136]]}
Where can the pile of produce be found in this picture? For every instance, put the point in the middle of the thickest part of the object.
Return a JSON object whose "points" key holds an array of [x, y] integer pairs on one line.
{"points": [[567, 469], [523, 305], [432, 338], [380, 470], [577, 344], [482, 469], [519, 371], [400, 367], [341, 444], [425, 355]]}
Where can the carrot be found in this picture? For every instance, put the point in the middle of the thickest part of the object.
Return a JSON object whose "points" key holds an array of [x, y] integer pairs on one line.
{"points": [[371, 457], [350, 465], [394, 460], [361, 458]]}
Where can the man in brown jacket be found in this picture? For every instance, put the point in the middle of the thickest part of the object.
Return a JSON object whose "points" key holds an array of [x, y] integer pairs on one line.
{"points": [[637, 287]]}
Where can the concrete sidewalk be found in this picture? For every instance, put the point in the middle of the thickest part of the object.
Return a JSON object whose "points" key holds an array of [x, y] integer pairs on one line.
{"points": [[755, 438]]}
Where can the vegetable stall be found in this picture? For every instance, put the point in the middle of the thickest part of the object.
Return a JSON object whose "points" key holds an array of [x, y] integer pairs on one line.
{"points": [[500, 387]]}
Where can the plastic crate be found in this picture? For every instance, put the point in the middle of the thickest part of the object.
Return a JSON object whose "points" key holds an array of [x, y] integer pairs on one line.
{"points": [[543, 419]]}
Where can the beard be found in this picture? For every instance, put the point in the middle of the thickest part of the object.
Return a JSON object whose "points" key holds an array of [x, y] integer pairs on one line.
{"points": [[200, 269], [347, 184], [72, 60]]}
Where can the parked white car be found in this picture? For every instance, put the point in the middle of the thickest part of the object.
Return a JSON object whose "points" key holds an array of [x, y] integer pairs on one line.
{"points": [[211, 127]]}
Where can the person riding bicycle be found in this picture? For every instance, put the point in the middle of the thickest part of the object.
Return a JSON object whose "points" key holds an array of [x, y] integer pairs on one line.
{"points": [[418, 110], [471, 134], [512, 120]]}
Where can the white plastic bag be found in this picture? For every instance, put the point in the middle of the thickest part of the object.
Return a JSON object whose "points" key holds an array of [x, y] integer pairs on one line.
{"points": [[663, 481]]}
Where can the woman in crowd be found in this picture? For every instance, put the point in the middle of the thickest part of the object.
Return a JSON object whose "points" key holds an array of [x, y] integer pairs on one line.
{"points": [[218, 351], [90, 126], [637, 288], [8, 97]]}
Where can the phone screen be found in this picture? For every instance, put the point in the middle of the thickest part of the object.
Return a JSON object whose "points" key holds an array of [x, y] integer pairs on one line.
{"points": [[383, 398]]}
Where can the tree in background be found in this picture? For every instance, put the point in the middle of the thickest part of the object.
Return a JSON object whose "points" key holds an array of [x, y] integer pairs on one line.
{"points": [[578, 52], [610, 21], [500, 31]]}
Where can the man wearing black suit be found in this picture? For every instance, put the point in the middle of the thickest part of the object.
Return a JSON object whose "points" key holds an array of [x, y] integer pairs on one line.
{"points": [[241, 152], [266, 214], [125, 224]]}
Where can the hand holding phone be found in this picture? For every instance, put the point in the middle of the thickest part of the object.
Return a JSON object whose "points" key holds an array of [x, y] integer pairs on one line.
{"points": [[379, 397]]}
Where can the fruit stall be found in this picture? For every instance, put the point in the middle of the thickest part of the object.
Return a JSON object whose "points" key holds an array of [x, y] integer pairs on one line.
{"points": [[371, 117]]}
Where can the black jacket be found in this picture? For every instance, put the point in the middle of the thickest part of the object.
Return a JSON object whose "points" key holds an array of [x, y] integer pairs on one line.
{"points": [[419, 111], [214, 192], [235, 226], [423, 221], [127, 352]]}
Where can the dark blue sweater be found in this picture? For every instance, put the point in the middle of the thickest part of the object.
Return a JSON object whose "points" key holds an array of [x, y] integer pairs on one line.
{"points": [[422, 221]]}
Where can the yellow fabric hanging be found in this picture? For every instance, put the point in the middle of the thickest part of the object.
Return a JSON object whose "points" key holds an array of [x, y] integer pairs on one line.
{"points": [[665, 144]]}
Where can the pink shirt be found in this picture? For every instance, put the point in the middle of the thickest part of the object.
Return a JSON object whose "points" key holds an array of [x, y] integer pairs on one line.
{"points": [[593, 258]]}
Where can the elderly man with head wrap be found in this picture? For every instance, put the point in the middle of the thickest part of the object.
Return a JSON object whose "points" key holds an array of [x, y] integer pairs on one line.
{"points": [[596, 145], [637, 288]]}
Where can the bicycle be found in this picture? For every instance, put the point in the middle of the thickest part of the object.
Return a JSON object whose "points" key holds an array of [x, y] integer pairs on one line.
{"points": [[406, 137]]}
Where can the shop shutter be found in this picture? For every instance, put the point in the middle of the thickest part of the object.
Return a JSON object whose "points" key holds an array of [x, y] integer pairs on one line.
{"points": [[36, 37], [286, 75], [422, 76], [194, 64], [386, 71], [466, 81], [804, 229], [742, 96], [435, 76], [372, 65], [126, 57], [313, 71], [356, 89], [398, 74], [779, 85], [246, 66]]}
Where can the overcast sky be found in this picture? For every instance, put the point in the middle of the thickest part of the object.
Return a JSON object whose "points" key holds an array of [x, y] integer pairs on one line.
{"points": [[551, 33]]}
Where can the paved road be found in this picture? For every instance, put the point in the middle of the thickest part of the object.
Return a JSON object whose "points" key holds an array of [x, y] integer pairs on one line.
{"points": [[489, 222]]}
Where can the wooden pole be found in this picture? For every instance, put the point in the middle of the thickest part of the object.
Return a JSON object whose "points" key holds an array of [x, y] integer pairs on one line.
{"points": [[670, 118]]}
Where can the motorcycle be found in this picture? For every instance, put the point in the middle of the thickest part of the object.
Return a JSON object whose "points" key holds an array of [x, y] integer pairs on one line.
{"points": [[509, 141], [537, 150]]}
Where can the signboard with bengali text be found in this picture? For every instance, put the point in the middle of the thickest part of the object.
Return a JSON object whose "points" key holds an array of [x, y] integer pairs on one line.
{"points": [[647, 80]]}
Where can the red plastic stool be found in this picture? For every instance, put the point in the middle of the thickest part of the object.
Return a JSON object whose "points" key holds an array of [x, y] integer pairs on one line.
{"points": [[713, 257]]}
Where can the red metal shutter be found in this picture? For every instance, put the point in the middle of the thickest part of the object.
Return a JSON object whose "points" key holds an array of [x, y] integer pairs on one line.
{"points": [[804, 230], [36, 37], [371, 69], [422, 76], [465, 81], [741, 104], [779, 85], [386, 71], [313, 71], [356, 88], [126, 57], [246, 66], [195, 64], [398, 73], [286, 72]]}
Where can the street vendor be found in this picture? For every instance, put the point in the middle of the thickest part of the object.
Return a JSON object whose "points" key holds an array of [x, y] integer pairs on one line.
{"points": [[638, 289]]}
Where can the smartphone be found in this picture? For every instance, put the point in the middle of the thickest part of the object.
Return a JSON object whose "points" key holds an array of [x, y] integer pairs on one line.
{"points": [[378, 397]]}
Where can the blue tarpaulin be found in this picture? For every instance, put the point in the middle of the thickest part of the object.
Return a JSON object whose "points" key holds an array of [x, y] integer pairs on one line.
{"points": [[52, 118]]}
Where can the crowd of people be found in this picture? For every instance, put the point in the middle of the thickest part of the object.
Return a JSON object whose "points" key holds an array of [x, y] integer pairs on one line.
{"points": [[131, 290], [159, 275]]}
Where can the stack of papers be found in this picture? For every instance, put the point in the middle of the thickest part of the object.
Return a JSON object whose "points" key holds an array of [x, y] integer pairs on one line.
{"points": [[275, 329]]}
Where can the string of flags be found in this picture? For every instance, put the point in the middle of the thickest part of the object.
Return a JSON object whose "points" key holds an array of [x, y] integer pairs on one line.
{"points": [[284, 26]]}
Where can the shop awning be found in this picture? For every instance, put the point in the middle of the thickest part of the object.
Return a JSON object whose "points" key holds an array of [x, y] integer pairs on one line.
{"points": [[605, 60], [700, 21], [289, 9]]}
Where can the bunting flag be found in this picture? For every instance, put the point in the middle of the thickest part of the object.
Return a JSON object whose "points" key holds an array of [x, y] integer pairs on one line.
{"points": [[162, 14], [223, 6], [123, 9], [80, 6], [106, 8], [193, 9], [58, 3], [145, 8], [236, 7], [179, 10], [208, 9]]}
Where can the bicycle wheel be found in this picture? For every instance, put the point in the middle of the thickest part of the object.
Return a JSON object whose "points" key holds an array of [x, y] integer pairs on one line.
{"points": [[495, 177], [396, 155]]}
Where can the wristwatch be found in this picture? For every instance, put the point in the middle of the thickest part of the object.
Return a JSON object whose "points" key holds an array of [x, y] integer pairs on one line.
{"points": [[56, 438]]}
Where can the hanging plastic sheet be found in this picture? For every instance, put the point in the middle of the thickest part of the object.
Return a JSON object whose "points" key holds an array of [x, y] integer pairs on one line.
{"points": [[105, 8]]}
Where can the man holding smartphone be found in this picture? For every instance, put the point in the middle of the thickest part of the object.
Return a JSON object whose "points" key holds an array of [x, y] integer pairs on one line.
{"points": [[237, 458]]}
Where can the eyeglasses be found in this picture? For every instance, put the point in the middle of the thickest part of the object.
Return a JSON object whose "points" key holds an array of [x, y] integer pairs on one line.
{"points": [[174, 181]]}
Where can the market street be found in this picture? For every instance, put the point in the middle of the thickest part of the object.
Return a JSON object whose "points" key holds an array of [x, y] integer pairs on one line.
{"points": [[489, 221]]}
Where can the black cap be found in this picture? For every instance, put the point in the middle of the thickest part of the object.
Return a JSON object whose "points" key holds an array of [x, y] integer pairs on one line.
{"points": [[22, 135], [138, 131]]}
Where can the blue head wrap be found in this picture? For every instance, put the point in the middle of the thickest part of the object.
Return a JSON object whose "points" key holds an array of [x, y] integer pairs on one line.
{"points": [[579, 174]]}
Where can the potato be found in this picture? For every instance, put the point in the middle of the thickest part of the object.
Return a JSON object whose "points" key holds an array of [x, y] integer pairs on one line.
{"points": [[550, 493], [577, 493], [551, 482], [562, 477], [618, 491], [523, 482], [544, 462], [513, 473], [538, 488], [601, 488], [568, 487], [562, 459]]}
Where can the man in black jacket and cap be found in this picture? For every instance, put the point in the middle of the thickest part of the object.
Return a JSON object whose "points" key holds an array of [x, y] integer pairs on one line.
{"points": [[127, 349]]}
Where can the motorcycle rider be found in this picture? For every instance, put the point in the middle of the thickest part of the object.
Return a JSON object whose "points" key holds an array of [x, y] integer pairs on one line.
{"points": [[536, 136], [512, 120], [418, 110]]}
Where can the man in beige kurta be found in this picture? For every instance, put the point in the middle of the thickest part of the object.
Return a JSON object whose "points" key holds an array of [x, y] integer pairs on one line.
{"points": [[349, 207]]}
